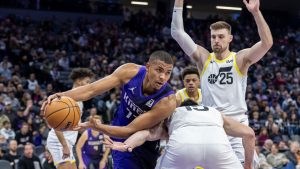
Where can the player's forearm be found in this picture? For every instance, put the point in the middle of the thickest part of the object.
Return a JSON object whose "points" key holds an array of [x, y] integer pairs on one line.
{"points": [[263, 30], [137, 138], [79, 154], [249, 146], [115, 131], [61, 138], [177, 32]]}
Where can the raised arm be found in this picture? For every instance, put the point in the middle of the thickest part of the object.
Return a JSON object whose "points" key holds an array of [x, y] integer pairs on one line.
{"points": [[236, 129], [257, 51], [147, 120], [86, 92], [196, 53]]}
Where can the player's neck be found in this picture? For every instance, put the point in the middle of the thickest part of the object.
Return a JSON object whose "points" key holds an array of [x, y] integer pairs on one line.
{"points": [[193, 95], [223, 55]]}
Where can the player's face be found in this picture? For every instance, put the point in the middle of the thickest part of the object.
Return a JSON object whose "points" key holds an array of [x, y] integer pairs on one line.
{"points": [[159, 73], [220, 40], [191, 83]]}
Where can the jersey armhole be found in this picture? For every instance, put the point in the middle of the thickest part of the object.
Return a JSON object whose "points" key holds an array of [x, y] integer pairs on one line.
{"points": [[206, 64], [236, 67]]}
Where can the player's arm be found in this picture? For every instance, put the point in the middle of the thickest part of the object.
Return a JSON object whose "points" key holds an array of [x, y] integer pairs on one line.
{"points": [[104, 159], [158, 113], [236, 129], [83, 138], [178, 99], [138, 138], [195, 52], [63, 142], [120, 76], [257, 51]]}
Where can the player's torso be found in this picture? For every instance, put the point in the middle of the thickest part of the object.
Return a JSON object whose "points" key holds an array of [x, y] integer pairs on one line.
{"points": [[71, 136], [223, 86], [184, 96], [93, 144], [134, 102]]}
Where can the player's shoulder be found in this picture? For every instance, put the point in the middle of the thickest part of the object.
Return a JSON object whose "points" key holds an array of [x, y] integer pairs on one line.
{"points": [[169, 100], [127, 71]]}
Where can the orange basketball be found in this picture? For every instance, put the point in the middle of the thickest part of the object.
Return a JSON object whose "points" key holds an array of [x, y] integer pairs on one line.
{"points": [[62, 114]]}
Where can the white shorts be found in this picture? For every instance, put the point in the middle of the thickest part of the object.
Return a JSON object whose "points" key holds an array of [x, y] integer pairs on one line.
{"points": [[188, 156], [56, 150]]}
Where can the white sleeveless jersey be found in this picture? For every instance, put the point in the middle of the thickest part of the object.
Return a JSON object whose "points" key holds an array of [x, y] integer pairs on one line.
{"points": [[71, 136], [183, 95], [223, 86], [194, 116]]}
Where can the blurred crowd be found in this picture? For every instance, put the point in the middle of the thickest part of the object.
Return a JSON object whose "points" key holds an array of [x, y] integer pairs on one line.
{"points": [[37, 56]]}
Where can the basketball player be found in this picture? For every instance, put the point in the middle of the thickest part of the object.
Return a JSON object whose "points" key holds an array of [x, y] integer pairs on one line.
{"points": [[146, 100], [89, 149], [223, 74], [191, 81], [196, 137], [60, 144]]}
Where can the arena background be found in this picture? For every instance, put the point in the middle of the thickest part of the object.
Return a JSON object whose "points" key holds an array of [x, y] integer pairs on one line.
{"points": [[45, 40]]}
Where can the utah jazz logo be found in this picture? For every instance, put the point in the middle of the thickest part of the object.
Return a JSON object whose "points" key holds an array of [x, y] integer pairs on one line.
{"points": [[224, 73]]}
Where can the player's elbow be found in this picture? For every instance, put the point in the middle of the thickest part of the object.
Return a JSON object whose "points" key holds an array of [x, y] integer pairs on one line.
{"points": [[250, 134], [175, 33], [268, 43]]}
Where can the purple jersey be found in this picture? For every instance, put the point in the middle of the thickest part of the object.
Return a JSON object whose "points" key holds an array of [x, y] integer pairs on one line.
{"points": [[93, 147], [134, 103]]}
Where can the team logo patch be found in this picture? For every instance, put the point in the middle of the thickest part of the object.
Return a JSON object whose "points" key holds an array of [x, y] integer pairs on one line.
{"points": [[150, 103]]}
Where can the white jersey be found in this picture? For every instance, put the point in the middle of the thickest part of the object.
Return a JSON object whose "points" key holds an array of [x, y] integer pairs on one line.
{"points": [[223, 85], [184, 96], [71, 136], [189, 118]]}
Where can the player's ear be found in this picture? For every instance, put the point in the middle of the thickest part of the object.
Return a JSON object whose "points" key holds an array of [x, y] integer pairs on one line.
{"points": [[147, 66], [230, 38]]}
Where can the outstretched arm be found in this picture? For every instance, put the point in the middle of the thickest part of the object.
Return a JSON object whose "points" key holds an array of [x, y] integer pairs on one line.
{"points": [[256, 52], [82, 93], [195, 52], [235, 129], [147, 120], [138, 138]]}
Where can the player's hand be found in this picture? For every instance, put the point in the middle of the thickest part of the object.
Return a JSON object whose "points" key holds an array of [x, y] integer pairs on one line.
{"points": [[66, 152], [81, 166], [93, 123], [48, 101], [119, 146], [252, 5], [102, 164]]}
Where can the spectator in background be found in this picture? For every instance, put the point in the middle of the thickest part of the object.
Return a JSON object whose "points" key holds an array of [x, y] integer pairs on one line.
{"points": [[28, 160], [32, 82], [24, 135], [277, 160], [266, 149], [3, 143], [263, 136], [263, 164], [7, 132], [275, 135], [48, 163], [3, 117], [12, 155], [291, 154]]}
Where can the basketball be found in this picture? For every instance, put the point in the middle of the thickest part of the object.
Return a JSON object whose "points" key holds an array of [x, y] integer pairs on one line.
{"points": [[62, 113]]}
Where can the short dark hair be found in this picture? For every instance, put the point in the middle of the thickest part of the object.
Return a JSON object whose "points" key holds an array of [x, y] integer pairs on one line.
{"points": [[188, 102], [220, 25], [79, 73], [162, 56], [189, 70]]}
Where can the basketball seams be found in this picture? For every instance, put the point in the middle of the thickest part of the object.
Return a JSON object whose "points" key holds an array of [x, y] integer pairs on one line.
{"points": [[73, 111], [64, 118], [58, 111]]}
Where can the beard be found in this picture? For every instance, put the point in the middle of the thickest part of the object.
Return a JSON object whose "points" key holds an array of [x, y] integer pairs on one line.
{"points": [[218, 49]]}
